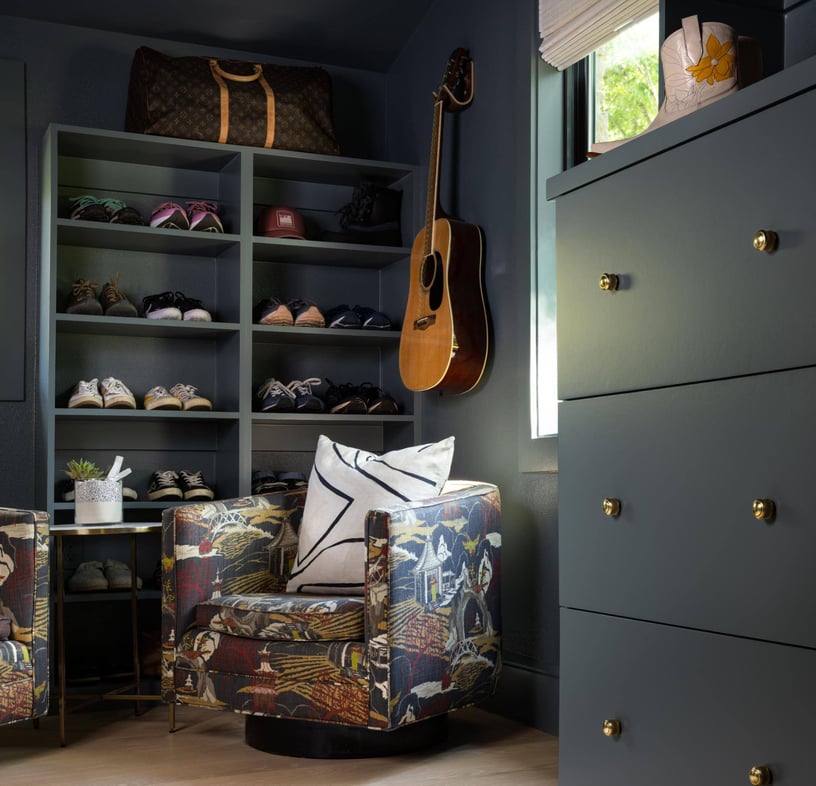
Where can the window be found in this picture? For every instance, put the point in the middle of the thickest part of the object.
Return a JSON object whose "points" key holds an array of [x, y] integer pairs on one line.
{"points": [[610, 94], [624, 82]]}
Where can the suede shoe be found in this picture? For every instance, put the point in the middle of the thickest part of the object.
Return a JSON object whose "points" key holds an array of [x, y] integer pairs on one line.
{"points": [[83, 300], [114, 302]]}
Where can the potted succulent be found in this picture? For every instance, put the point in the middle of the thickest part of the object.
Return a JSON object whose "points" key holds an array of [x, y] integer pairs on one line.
{"points": [[98, 497]]}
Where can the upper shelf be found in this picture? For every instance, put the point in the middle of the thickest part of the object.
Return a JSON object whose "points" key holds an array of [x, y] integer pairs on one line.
{"points": [[124, 237], [164, 151]]}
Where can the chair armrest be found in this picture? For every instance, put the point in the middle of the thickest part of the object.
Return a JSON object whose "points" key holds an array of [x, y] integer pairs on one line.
{"points": [[25, 589], [239, 545], [433, 613]]}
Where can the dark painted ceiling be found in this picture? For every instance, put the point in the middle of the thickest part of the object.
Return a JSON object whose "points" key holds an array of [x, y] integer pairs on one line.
{"points": [[367, 34]]}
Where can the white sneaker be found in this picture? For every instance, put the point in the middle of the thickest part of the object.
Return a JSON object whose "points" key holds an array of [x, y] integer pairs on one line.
{"points": [[159, 398], [85, 394], [116, 395], [189, 398]]}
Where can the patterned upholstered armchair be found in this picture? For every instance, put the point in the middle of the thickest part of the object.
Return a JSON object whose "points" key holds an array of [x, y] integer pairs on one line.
{"points": [[325, 675], [24, 600]]}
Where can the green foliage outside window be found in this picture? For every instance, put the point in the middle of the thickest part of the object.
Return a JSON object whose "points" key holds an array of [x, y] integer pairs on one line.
{"points": [[629, 91]]}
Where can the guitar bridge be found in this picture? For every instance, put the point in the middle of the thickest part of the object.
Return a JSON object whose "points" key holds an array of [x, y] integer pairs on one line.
{"points": [[424, 322]]}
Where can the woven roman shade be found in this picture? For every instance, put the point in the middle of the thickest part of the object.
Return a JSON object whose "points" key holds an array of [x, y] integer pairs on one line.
{"points": [[571, 29]]}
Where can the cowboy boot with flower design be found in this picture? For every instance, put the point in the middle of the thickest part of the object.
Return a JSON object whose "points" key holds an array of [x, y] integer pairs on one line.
{"points": [[700, 66]]}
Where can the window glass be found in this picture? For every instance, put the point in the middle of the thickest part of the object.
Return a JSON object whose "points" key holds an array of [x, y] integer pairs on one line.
{"points": [[625, 82]]}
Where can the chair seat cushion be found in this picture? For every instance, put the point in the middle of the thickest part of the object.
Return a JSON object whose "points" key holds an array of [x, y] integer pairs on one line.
{"points": [[285, 617]]}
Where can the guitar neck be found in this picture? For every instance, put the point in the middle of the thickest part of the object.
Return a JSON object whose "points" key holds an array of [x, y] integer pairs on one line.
{"points": [[432, 196]]}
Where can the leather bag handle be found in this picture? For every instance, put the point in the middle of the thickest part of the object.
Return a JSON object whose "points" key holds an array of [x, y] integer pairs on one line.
{"points": [[220, 76]]}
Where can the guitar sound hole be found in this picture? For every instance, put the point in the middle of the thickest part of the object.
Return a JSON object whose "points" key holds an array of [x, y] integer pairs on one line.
{"points": [[432, 280]]}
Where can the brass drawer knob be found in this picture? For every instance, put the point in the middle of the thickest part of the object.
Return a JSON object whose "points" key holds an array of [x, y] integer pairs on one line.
{"points": [[611, 506], [611, 728], [608, 282], [766, 240], [764, 509], [759, 776]]}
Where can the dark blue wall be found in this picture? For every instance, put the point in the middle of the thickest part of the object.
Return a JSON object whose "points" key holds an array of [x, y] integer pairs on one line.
{"points": [[79, 76]]}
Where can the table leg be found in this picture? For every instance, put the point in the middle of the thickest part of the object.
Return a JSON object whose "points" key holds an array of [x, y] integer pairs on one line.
{"points": [[134, 622]]}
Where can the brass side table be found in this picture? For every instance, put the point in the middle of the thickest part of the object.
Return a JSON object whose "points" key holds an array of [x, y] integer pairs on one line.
{"points": [[60, 531]]}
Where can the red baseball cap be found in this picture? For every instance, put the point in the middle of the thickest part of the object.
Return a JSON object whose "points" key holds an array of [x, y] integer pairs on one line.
{"points": [[280, 222]]}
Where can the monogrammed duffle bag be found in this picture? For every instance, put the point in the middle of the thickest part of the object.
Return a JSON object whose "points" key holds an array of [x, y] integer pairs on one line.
{"points": [[232, 101]]}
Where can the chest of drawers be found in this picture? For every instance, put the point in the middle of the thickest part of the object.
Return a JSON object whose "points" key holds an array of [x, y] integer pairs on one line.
{"points": [[687, 433]]}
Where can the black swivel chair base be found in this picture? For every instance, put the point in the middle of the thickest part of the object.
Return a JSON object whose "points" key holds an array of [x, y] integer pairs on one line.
{"points": [[308, 739]]}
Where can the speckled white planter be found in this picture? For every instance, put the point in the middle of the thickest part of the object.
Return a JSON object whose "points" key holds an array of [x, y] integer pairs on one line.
{"points": [[98, 501]]}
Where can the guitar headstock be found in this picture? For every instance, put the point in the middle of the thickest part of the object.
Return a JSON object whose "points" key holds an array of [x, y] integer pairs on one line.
{"points": [[458, 84]]}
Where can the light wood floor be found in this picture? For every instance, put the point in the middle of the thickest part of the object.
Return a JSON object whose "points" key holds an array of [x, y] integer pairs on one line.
{"points": [[111, 746]]}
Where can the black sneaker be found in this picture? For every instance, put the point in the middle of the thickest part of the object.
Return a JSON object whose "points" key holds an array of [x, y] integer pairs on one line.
{"points": [[120, 213], [377, 402], [164, 485], [293, 480], [114, 302], [371, 319], [345, 399], [161, 306], [193, 486], [83, 300], [342, 317], [88, 208], [266, 482], [191, 309]]}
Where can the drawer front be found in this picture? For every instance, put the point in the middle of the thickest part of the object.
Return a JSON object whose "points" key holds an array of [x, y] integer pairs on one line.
{"points": [[693, 707], [695, 300], [686, 464]]}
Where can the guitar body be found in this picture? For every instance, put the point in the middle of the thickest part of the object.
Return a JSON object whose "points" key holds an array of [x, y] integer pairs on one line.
{"points": [[444, 339]]}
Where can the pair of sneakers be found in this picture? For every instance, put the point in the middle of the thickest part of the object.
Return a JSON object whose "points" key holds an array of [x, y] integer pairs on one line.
{"points": [[365, 399], [264, 482], [182, 485], [180, 396], [297, 312], [111, 211], [358, 317], [110, 393], [297, 396], [112, 302], [175, 305], [199, 215]]}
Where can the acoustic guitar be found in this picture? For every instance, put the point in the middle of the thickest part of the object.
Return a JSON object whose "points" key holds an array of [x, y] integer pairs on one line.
{"points": [[443, 343]]}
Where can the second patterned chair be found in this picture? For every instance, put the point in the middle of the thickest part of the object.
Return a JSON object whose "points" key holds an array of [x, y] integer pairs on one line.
{"points": [[24, 602]]}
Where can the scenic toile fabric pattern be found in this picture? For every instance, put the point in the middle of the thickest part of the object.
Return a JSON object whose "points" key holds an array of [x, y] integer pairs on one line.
{"points": [[24, 602], [426, 637]]}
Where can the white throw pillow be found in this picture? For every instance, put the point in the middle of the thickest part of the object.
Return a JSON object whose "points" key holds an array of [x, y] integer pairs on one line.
{"points": [[346, 483]]}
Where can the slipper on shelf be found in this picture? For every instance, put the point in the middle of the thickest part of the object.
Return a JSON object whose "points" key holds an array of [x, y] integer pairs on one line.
{"points": [[118, 575], [88, 577]]}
